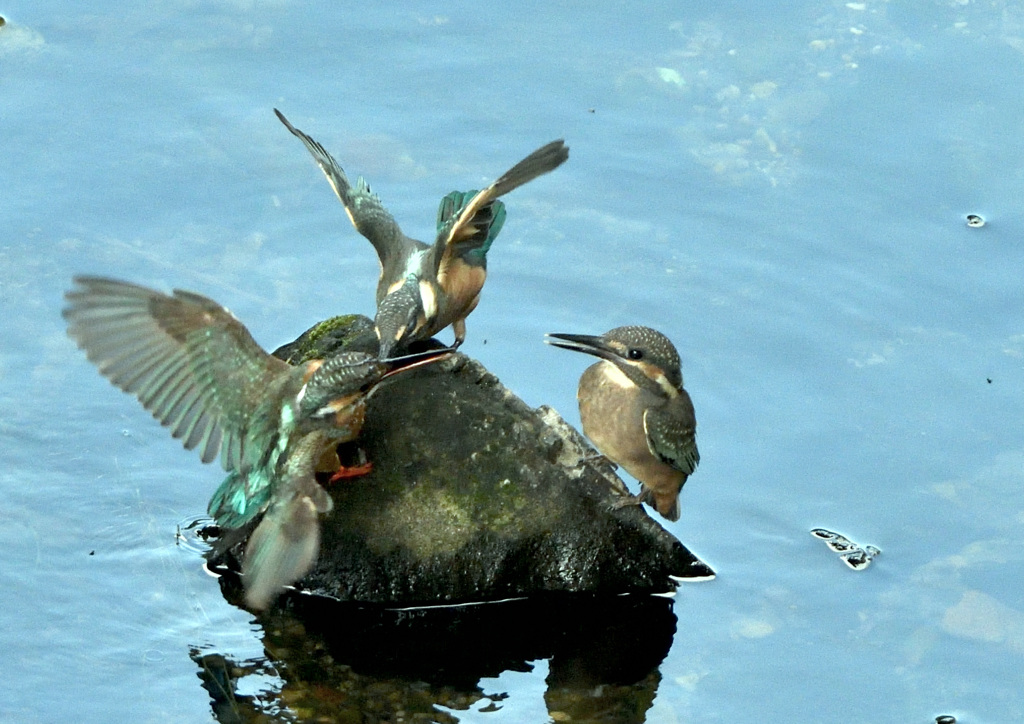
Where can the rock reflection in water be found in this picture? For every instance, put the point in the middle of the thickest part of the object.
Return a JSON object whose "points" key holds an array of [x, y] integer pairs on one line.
{"points": [[352, 663]]}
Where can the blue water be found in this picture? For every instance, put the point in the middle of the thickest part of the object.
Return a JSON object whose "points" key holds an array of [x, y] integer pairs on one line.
{"points": [[780, 188]]}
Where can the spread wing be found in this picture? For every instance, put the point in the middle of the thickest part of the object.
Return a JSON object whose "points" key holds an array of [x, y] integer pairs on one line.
{"points": [[363, 206], [186, 358], [672, 434], [466, 227]]}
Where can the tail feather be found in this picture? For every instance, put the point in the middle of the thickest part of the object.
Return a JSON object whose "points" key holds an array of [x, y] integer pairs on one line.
{"points": [[285, 544], [666, 505]]}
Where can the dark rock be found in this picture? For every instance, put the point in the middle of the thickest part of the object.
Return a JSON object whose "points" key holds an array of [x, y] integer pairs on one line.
{"points": [[475, 496]]}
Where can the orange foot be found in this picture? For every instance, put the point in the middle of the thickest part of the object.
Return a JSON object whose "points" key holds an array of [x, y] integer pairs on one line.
{"points": [[351, 472]]}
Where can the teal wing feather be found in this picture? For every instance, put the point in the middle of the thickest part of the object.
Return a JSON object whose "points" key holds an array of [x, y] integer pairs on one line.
{"points": [[461, 221], [363, 207], [240, 498], [479, 231], [187, 360]]}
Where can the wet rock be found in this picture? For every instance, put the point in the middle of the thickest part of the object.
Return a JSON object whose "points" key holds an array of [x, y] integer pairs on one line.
{"points": [[475, 496]]}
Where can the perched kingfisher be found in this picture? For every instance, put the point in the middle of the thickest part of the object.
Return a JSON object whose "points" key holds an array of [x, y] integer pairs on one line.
{"points": [[635, 410], [197, 369], [422, 288]]}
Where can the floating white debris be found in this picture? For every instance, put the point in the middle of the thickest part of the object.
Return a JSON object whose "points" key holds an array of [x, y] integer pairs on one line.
{"points": [[855, 556], [671, 75]]}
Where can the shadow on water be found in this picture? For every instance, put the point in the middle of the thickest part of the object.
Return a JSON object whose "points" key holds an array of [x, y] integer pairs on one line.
{"points": [[344, 662]]}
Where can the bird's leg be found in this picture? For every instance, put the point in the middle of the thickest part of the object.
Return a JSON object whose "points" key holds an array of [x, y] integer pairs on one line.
{"points": [[352, 471], [459, 327], [330, 463], [628, 500], [644, 496]]}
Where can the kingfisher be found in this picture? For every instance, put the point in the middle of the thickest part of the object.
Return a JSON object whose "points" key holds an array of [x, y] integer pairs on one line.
{"points": [[198, 370], [424, 288], [634, 409]]}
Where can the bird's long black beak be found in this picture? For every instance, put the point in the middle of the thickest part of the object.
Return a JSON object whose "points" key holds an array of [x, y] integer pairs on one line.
{"points": [[587, 343], [418, 359], [407, 362]]}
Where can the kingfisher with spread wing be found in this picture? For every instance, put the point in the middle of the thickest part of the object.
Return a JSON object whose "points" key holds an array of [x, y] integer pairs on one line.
{"points": [[197, 369], [424, 288]]}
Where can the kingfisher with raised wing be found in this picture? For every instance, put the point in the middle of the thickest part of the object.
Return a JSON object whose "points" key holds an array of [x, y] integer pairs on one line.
{"points": [[424, 288], [634, 409], [197, 369]]}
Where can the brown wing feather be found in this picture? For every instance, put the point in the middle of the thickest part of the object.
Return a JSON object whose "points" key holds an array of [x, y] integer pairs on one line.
{"points": [[187, 359], [362, 206]]}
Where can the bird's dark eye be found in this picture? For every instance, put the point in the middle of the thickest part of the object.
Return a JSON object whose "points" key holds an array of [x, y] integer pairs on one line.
{"points": [[635, 353]]}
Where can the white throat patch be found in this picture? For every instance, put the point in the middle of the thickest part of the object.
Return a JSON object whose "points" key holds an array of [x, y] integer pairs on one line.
{"points": [[615, 376]]}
